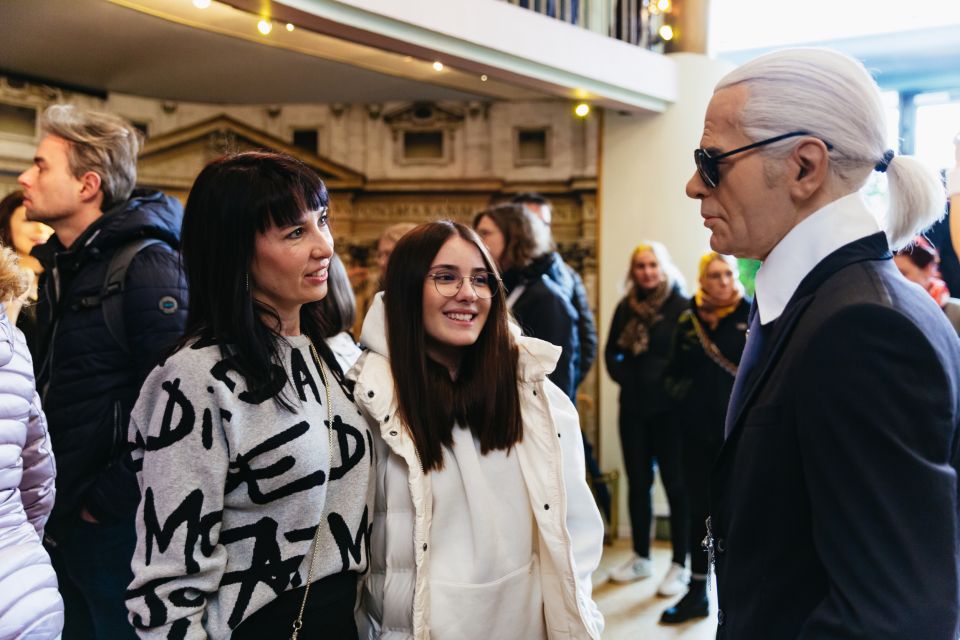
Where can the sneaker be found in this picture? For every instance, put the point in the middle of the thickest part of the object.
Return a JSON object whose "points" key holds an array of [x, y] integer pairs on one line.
{"points": [[635, 568], [675, 582]]}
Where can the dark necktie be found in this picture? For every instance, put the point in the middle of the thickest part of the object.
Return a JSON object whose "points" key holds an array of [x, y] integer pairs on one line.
{"points": [[748, 362]]}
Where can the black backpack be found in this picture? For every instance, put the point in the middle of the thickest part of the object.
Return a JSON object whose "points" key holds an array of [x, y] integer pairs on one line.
{"points": [[111, 293]]}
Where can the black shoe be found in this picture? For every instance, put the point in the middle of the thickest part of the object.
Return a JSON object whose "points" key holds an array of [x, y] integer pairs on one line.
{"points": [[693, 605]]}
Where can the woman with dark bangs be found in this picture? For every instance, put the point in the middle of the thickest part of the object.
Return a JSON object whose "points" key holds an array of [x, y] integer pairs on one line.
{"points": [[254, 462], [484, 526]]}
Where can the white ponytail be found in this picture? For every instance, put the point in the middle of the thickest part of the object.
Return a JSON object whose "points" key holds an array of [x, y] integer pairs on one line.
{"points": [[917, 200]]}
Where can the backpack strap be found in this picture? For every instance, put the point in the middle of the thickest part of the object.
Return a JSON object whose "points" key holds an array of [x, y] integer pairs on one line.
{"points": [[111, 294]]}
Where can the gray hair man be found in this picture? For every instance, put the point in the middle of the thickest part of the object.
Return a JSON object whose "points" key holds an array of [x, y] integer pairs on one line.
{"points": [[834, 509], [97, 339]]}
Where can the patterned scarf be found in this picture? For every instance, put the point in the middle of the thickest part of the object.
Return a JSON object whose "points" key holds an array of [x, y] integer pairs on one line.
{"points": [[644, 313], [712, 310]]}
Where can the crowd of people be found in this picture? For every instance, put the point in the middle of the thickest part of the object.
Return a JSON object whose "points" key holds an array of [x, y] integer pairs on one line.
{"points": [[194, 444]]}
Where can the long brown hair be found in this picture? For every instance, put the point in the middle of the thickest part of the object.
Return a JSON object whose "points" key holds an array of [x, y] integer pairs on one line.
{"points": [[484, 396]]}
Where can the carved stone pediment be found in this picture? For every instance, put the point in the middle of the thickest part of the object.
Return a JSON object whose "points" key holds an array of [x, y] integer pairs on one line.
{"points": [[172, 160], [425, 115]]}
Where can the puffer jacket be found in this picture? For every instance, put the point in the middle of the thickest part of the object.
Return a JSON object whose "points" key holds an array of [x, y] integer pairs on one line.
{"points": [[30, 605], [570, 539], [87, 380]]}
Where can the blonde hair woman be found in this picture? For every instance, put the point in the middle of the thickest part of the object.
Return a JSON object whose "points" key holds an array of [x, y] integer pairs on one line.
{"points": [[636, 355]]}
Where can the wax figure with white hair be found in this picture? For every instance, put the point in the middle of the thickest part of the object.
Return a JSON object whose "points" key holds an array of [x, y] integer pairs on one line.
{"points": [[834, 508]]}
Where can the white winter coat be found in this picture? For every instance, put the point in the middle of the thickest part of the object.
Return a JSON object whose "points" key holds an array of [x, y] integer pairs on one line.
{"points": [[30, 605], [570, 539]]}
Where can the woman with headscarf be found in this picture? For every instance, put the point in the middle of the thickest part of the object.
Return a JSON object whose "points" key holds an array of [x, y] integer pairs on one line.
{"points": [[707, 346], [636, 355]]}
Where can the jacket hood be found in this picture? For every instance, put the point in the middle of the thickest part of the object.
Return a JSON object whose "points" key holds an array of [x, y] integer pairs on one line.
{"points": [[146, 214], [537, 358]]}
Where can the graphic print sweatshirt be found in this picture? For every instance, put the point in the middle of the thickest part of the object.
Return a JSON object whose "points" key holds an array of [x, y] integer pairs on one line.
{"points": [[233, 487]]}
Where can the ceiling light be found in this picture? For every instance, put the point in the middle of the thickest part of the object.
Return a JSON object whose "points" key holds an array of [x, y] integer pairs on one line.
{"points": [[264, 26], [666, 32], [582, 110], [483, 78], [664, 5], [201, 4], [290, 26], [438, 66]]}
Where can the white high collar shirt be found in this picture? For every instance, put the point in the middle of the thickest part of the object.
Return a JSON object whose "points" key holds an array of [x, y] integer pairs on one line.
{"points": [[839, 223]]}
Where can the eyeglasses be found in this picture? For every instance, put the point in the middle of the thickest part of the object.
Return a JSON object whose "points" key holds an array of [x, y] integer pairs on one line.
{"points": [[709, 166], [448, 283]]}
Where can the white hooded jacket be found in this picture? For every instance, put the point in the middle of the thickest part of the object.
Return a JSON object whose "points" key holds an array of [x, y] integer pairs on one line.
{"points": [[570, 531]]}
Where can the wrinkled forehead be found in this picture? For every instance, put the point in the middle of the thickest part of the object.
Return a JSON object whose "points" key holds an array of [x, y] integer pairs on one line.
{"points": [[721, 124]]}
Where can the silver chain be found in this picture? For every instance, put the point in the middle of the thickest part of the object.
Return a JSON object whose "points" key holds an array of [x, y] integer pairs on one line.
{"points": [[298, 623]]}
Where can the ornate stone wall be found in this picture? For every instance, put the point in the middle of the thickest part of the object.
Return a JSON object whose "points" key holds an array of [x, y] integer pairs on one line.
{"points": [[366, 154]]}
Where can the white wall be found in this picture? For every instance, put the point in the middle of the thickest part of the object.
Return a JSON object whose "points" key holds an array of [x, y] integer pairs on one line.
{"points": [[645, 163]]}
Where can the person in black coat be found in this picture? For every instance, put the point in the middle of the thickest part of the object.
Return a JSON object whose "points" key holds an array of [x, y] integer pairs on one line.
{"points": [[539, 295], [572, 284], [834, 500], [636, 355], [706, 350], [82, 184], [521, 245]]}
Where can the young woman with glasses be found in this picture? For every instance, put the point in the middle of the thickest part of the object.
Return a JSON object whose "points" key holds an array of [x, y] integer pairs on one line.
{"points": [[484, 526], [254, 463]]}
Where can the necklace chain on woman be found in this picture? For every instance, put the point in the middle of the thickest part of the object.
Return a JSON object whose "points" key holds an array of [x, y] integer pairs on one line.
{"points": [[298, 623]]}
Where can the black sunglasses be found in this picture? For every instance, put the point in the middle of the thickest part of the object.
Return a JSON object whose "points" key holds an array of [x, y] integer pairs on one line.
{"points": [[709, 166]]}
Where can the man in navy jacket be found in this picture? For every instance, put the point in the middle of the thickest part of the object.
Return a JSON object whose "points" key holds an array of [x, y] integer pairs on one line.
{"points": [[81, 184], [834, 510]]}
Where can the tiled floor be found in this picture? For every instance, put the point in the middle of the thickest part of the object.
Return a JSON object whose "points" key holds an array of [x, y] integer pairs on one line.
{"points": [[632, 611]]}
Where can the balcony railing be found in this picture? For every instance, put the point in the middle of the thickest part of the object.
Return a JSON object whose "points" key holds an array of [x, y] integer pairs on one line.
{"points": [[638, 22]]}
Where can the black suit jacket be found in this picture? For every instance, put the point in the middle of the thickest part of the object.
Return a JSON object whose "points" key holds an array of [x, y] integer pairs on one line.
{"points": [[834, 505]]}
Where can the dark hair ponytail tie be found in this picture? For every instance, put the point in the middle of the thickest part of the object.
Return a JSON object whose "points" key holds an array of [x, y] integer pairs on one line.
{"points": [[883, 164]]}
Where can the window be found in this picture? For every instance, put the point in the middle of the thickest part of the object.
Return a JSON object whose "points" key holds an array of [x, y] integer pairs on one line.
{"points": [[18, 121], [938, 121], [531, 147], [423, 145], [306, 139]]}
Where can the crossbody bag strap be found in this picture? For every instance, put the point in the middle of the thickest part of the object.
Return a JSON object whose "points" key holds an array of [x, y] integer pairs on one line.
{"points": [[713, 351]]}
